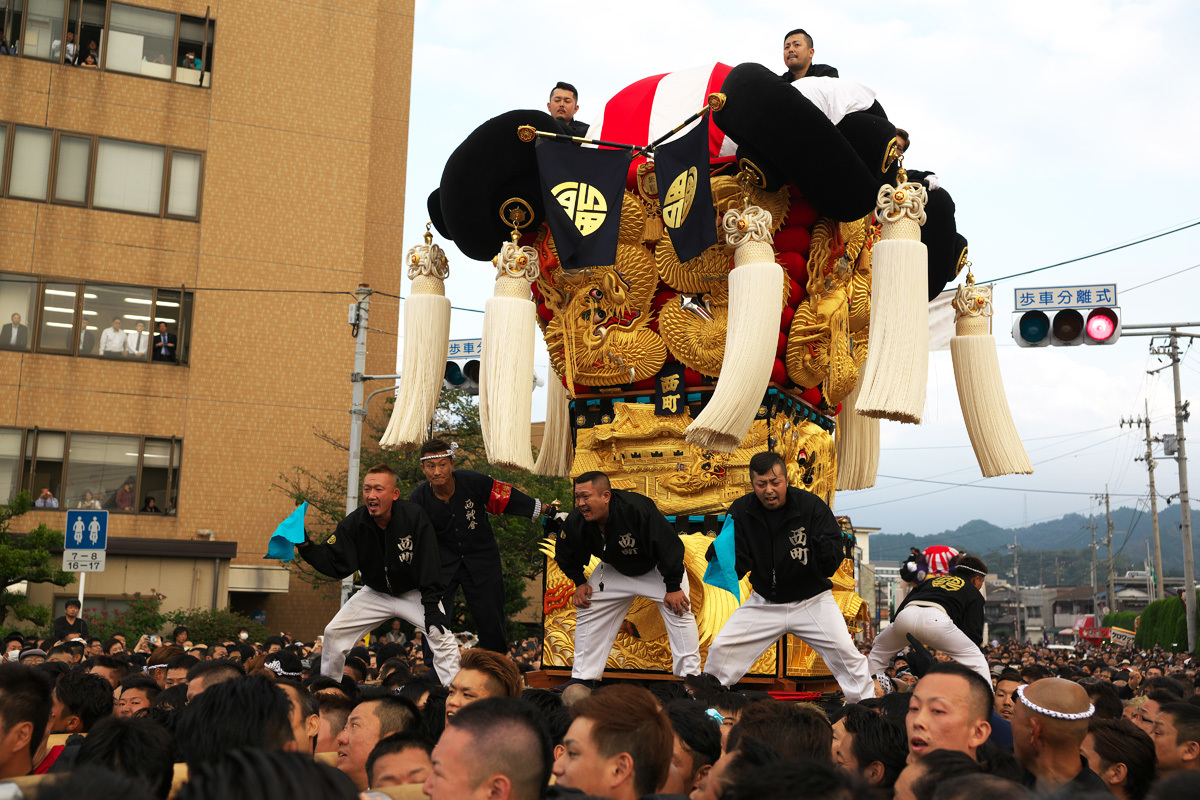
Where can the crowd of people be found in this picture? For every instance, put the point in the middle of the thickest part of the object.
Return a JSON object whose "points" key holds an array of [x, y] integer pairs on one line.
{"points": [[108, 719]]}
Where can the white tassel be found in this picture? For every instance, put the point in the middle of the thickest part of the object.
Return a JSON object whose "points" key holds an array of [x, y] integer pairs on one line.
{"points": [[894, 377], [426, 334], [506, 369], [557, 453], [998, 447], [857, 446], [755, 306]]}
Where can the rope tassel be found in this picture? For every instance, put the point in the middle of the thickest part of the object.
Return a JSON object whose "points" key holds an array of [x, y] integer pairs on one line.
{"points": [[998, 447], [857, 446], [894, 377], [755, 306], [506, 369], [426, 335], [557, 453]]}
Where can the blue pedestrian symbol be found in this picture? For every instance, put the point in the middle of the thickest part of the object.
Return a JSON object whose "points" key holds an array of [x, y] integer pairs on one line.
{"points": [[87, 530]]}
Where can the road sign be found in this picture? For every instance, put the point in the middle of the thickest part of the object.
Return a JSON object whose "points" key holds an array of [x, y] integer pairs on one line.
{"points": [[465, 348], [86, 541], [87, 530], [1046, 298], [83, 560]]}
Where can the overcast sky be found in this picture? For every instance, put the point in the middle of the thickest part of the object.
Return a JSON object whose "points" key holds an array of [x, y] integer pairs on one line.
{"points": [[1060, 129]]}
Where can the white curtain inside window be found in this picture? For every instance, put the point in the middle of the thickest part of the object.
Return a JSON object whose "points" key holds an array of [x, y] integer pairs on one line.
{"points": [[30, 163], [70, 184], [129, 176], [184, 197]]}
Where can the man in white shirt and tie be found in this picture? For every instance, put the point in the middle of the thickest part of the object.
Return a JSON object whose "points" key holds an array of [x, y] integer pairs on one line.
{"points": [[112, 340], [138, 342]]}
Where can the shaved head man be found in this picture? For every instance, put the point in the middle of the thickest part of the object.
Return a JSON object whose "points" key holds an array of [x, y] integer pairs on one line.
{"points": [[1049, 724], [949, 710]]}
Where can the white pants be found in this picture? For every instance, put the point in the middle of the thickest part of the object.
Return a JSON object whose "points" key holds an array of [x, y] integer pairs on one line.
{"points": [[758, 623], [932, 628], [369, 609], [596, 626]]}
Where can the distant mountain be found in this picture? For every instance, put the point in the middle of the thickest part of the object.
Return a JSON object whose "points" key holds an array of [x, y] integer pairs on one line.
{"points": [[1067, 537]]}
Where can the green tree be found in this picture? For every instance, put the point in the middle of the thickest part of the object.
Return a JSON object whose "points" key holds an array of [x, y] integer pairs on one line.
{"points": [[27, 558], [457, 419]]}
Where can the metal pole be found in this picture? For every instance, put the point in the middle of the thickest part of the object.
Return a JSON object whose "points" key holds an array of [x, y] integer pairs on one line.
{"points": [[359, 318], [1159, 591], [1189, 567], [82, 579], [1095, 603], [1112, 591]]}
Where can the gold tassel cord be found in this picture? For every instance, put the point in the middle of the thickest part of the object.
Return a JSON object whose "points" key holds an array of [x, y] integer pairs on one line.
{"points": [[897, 368], [556, 454], [426, 335], [506, 369], [994, 438]]}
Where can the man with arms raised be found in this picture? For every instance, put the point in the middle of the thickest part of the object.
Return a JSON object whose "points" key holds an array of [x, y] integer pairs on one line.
{"points": [[790, 543], [391, 543], [949, 710], [458, 502], [640, 556]]}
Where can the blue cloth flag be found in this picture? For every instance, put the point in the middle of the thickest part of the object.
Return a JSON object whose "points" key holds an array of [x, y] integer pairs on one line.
{"points": [[722, 570], [289, 533]]}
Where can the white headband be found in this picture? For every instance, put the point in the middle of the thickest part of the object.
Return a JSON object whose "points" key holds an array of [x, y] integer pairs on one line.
{"points": [[1055, 714], [957, 567], [449, 454]]}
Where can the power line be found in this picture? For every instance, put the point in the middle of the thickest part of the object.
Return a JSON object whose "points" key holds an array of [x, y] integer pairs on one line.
{"points": [[1163, 278], [1001, 488], [1098, 253]]}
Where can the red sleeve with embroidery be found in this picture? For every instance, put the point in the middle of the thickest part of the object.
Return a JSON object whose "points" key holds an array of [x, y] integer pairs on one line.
{"points": [[498, 499]]}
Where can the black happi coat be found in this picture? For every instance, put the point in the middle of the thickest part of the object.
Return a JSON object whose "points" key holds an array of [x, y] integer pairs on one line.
{"points": [[636, 539], [958, 597]]}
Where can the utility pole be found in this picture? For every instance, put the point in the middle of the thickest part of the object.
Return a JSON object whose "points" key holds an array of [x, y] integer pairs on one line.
{"points": [[1159, 592], [1112, 591], [359, 314], [1017, 585], [1181, 416], [1095, 605]]}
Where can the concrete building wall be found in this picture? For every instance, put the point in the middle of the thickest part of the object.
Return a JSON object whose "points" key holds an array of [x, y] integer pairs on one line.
{"points": [[305, 135]]}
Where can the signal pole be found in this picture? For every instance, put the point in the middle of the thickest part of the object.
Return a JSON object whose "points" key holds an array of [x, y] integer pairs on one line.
{"points": [[1095, 604], [1159, 592], [1110, 601], [1181, 416]]}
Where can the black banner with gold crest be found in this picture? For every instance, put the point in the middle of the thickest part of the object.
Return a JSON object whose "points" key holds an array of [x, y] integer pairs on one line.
{"points": [[685, 192], [582, 189], [669, 391]]}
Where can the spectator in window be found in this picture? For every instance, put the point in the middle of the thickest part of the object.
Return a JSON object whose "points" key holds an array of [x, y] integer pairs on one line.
{"points": [[89, 501], [164, 344], [137, 342], [149, 507], [125, 496], [191, 62], [72, 49], [112, 340], [46, 500], [14, 335], [171, 507], [90, 61], [94, 52]]}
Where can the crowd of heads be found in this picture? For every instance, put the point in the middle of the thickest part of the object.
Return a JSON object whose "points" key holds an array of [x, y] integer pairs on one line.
{"points": [[133, 722]]}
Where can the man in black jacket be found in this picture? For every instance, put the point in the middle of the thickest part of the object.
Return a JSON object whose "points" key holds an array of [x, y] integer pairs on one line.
{"points": [[391, 543], [790, 543], [458, 502], [944, 612], [640, 556]]}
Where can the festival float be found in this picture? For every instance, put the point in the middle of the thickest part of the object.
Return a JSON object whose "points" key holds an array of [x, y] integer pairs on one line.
{"points": [[723, 266]]}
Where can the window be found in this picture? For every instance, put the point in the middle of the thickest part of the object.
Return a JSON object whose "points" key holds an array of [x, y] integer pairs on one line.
{"points": [[121, 473], [140, 41], [97, 319], [128, 177], [17, 293], [71, 175], [193, 56], [12, 26], [123, 315], [44, 30], [10, 463], [30, 163], [44, 462], [57, 333]]}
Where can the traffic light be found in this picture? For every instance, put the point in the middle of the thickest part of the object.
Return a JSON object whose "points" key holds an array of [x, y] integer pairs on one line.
{"points": [[1067, 327], [464, 378]]}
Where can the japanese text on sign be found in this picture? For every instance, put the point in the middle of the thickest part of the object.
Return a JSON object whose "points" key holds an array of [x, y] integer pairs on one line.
{"points": [[1051, 297], [465, 348]]}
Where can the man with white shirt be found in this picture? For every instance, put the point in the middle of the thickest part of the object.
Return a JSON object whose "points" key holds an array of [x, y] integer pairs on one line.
{"points": [[138, 342], [112, 340], [14, 335]]}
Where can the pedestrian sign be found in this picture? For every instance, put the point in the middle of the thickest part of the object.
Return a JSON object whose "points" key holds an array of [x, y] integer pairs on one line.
{"points": [[87, 530]]}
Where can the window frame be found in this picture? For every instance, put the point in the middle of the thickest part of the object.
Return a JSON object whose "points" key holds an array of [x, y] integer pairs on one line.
{"points": [[91, 170], [20, 454], [9, 146], [26, 476], [76, 316]]}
